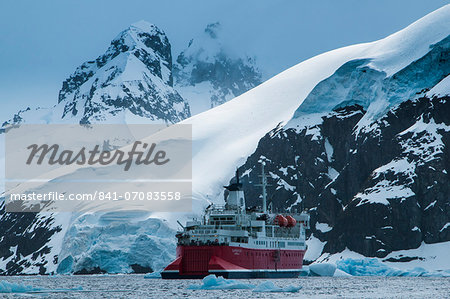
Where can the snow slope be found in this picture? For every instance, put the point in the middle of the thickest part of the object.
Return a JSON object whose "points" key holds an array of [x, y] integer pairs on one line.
{"points": [[224, 136]]}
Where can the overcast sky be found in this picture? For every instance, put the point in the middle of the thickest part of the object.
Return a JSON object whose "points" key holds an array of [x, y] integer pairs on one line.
{"points": [[42, 42]]}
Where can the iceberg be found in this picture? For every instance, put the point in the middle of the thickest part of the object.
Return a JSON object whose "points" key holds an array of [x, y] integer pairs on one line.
{"points": [[268, 286], [322, 269], [211, 282]]}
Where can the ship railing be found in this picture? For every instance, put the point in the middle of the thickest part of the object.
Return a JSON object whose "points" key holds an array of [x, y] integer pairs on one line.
{"points": [[202, 243], [212, 229], [222, 212], [217, 207], [282, 233]]}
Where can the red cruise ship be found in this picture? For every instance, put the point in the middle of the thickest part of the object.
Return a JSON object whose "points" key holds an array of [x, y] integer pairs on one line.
{"points": [[232, 242]]}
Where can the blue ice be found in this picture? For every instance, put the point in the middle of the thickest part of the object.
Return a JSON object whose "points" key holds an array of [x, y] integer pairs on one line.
{"points": [[373, 267]]}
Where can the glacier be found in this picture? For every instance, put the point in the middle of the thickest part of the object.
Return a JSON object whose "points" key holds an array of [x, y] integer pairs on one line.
{"points": [[427, 260], [373, 267], [117, 242]]}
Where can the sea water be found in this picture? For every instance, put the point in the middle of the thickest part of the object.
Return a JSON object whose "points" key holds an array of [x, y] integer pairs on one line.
{"points": [[136, 286]]}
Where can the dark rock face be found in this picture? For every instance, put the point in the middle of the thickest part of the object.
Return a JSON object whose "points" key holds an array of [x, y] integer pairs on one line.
{"points": [[134, 74], [368, 155], [138, 269], [228, 77], [24, 241], [380, 190]]}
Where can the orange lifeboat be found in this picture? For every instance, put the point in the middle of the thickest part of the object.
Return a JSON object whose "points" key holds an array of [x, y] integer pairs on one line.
{"points": [[280, 220], [291, 222]]}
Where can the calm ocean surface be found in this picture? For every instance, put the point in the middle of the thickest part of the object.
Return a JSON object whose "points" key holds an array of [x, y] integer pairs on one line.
{"points": [[136, 286]]}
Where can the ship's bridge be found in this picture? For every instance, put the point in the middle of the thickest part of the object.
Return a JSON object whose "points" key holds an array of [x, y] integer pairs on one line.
{"points": [[232, 224]]}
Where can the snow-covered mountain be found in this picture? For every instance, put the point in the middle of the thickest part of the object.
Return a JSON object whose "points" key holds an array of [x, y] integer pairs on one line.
{"points": [[367, 152], [134, 74], [339, 156], [131, 82], [208, 73], [359, 135], [134, 81]]}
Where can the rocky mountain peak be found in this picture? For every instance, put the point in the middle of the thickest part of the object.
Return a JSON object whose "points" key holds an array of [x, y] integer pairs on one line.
{"points": [[133, 75], [148, 43], [208, 73]]}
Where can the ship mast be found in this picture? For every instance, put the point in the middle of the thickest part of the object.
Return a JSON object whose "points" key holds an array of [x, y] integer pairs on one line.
{"points": [[263, 185]]}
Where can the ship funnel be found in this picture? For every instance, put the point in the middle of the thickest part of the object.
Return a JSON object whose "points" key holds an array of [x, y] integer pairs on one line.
{"points": [[235, 197]]}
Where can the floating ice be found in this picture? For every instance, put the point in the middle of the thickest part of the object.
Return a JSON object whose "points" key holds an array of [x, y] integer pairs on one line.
{"points": [[268, 286], [211, 282], [10, 287], [322, 269], [154, 275]]}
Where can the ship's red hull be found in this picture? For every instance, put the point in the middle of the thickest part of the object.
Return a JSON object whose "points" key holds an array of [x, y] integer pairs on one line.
{"points": [[234, 262]]}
